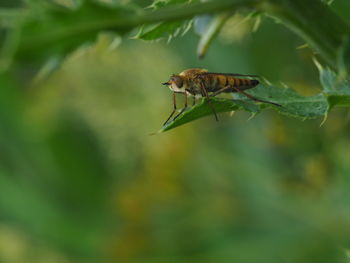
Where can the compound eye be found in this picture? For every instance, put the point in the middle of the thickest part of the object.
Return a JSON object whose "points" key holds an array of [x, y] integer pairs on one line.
{"points": [[178, 81]]}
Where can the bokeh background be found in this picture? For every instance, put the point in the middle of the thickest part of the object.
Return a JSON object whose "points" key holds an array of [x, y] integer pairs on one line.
{"points": [[82, 179]]}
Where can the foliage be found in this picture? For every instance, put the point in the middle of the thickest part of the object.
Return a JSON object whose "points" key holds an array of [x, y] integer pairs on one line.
{"points": [[81, 180], [35, 35]]}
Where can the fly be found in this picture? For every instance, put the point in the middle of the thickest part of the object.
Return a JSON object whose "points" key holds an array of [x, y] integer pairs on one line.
{"points": [[195, 81]]}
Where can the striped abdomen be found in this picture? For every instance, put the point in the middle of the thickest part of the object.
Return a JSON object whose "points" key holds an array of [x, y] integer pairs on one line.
{"points": [[217, 82]]}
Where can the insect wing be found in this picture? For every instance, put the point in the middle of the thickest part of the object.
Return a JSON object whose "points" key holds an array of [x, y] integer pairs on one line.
{"points": [[231, 74]]}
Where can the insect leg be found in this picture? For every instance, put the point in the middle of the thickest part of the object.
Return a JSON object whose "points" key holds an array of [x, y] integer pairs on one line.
{"points": [[255, 99], [172, 113], [205, 92], [220, 91], [194, 100], [183, 108]]}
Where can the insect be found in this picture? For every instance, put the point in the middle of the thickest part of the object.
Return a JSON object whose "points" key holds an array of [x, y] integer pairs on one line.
{"points": [[199, 82]]}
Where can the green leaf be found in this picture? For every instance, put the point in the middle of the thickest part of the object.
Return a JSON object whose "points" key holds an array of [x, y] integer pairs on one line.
{"points": [[336, 88], [293, 104], [203, 109], [42, 30], [57, 31], [165, 29], [208, 27], [211, 30]]}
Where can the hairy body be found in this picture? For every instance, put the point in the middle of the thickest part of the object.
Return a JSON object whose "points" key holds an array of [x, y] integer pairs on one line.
{"points": [[199, 82], [193, 81]]}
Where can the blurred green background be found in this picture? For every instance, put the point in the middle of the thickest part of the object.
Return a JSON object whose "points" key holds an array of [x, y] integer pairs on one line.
{"points": [[81, 179]]}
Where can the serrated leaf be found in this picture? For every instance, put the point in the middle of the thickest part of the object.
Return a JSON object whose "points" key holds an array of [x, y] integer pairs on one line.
{"points": [[164, 29], [293, 104], [336, 88]]}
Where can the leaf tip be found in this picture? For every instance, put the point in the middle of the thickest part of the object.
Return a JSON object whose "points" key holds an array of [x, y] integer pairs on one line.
{"points": [[303, 46], [324, 119], [253, 114], [318, 64]]}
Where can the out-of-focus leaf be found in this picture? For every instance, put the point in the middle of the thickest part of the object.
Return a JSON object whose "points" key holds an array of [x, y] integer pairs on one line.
{"points": [[201, 23], [11, 3], [210, 32], [161, 3], [328, 2], [209, 27], [9, 34], [344, 57], [32, 177], [44, 30], [53, 4], [47, 69], [257, 22], [59, 31], [165, 29]]}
